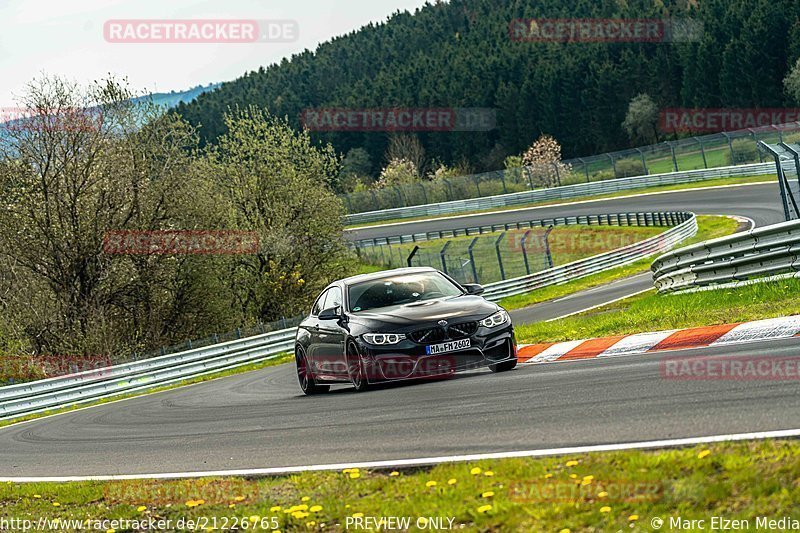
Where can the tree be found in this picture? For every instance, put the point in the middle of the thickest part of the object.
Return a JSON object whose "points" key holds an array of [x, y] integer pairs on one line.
{"points": [[543, 161], [641, 120], [405, 147], [278, 184], [397, 172], [356, 166], [791, 82]]}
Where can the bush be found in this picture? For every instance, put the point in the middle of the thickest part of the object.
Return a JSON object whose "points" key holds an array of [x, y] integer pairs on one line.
{"points": [[744, 151], [629, 167]]}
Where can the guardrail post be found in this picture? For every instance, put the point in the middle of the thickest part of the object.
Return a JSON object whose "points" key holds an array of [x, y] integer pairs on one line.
{"points": [[503, 181], [472, 259], [702, 151], [441, 256], [558, 176], [613, 164], [528, 175], [548, 257], [499, 255], [524, 251], [674, 160], [411, 255], [644, 163], [451, 195], [585, 169], [730, 147]]}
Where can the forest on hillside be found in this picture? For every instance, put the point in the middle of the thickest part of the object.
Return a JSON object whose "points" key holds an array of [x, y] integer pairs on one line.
{"points": [[459, 54]]}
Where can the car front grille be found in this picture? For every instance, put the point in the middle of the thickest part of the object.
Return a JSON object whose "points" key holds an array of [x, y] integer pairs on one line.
{"points": [[454, 332]]}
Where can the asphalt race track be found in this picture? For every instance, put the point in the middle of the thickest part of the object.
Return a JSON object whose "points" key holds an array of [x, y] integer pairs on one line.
{"points": [[260, 419]]}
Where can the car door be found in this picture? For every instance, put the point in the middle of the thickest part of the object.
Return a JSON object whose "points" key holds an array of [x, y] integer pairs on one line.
{"points": [[331, 338], [311, 324]]}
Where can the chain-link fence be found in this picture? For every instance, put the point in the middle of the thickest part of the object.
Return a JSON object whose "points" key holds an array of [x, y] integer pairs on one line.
{"points": [[691, 153]]}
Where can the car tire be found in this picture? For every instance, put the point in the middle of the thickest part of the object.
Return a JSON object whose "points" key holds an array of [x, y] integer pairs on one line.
{"points": [[355, 367], [304, 375], [504, 366]]}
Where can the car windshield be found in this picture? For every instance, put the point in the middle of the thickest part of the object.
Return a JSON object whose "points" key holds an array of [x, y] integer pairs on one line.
{"points": [[400, 289]]}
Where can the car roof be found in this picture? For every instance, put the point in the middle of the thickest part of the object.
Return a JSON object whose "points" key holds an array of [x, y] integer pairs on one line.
{"points": [[385, 273]]}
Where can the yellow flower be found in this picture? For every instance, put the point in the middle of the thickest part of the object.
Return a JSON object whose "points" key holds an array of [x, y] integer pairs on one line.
{"points": [[238, 499], [354, 475], [487, 494], [565, 530], [305, 498], [602, 494], [141, 508], [633, 517], [587, 480], [488, 473], [573, 476], [254, 518], [300, 514], [704, 453], [275, 509], [430, 484], [452, 481], [111, 531], [37, 496], [475, 471], [316, 508], [56, 504], [395, 473], [605, 509], [357, 515], [548, 476], [303, 507], [484, 508], [232, 506], [572, 463], [311, 524]]}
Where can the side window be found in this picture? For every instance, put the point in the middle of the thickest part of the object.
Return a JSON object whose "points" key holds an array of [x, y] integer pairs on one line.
{"points": [[334, 298], [318, 305]]}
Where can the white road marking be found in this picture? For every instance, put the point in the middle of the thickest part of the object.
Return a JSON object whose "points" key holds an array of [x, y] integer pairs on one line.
{"points": [[427, 461], [637, 343]]}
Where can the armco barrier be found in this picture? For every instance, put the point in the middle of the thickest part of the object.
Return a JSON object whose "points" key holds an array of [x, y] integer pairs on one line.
{"points": [[39, 396], [750, 255], [594, 188]]}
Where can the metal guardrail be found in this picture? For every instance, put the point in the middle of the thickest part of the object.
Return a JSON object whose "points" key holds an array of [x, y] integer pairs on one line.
{"points": [[595, 264], [670, 218], [40, 396], [749, 255], [595, 188]]}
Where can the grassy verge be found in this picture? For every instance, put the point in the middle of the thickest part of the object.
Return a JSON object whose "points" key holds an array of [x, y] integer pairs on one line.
{"points": [[662, 188], [708, 227], [608, 491], [282, 358], [653, 312]]}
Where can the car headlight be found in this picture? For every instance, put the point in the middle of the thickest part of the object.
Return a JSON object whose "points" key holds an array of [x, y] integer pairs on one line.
{"points": [[497, 319], [383, 338]]}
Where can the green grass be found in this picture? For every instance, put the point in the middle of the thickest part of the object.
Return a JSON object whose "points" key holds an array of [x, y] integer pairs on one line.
{"points": [[702, 184], [581, 492], [282, 358], [708, 227], [567, 244], [653, 312]]}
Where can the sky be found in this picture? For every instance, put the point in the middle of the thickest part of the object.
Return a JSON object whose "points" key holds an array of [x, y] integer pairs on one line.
{"points": [[68, 38]]}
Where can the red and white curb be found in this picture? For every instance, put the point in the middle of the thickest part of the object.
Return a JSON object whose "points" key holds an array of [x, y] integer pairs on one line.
{"points": [[680, 339]]}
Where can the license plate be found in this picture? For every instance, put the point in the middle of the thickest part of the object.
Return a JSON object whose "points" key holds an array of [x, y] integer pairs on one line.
{"points": [[451, 346]]}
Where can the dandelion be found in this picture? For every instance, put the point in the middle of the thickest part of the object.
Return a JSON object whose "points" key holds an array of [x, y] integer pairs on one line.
{"points": [[305, 498], [475, 471], [573, 476], [602, 494], [633, 517], [484, 508], [395, 473], [238, 499], [430, 484], [572, 463], [357, 515], [488, 473], [37, 496], [141, 508], [56, 504], [548, 475], [311, 524], [354, 475], [704, 453], [605, 509], [232, 506], [275, 509], [587, 480], [452, 481], [254, 518], [300, 514], [302, 507], [487, 494], [316, 508], [565, 530]]}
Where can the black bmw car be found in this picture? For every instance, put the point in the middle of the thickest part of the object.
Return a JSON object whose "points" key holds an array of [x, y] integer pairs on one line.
{"points": [[407, 323]]}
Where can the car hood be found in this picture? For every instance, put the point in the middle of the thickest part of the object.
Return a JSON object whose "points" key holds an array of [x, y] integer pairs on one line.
{"points": [[411, 316]]}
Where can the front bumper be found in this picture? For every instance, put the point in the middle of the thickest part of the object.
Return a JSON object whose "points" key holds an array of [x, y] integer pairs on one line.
{"points": [[409, 360]]}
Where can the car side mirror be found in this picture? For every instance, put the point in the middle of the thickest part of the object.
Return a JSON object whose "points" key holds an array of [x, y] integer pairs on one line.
{"points": [[331, 313], [473, 288]]}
